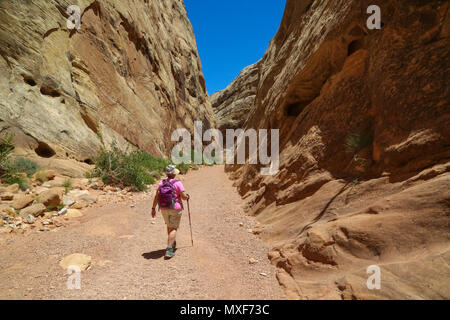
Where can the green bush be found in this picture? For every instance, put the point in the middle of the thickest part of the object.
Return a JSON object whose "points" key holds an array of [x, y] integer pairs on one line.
{"points": [[54, 208], [67, 184], [41, 176], [6, 147], [23, 165], [134, 168], [14, 171], [184, 168], [22, 181]]}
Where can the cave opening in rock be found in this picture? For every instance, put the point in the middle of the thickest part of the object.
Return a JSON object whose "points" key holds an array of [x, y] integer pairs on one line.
{"points": [[29, 81], [294, 109], [48, 91], [43, 150], [354, 46]]}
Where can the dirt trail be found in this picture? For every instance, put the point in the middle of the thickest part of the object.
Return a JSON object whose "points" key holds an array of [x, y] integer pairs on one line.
{"points": [[127, 252]]}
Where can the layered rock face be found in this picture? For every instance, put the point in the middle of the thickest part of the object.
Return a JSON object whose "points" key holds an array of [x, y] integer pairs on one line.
{"points": [[364, 119], [130, 74], [232, 105]]}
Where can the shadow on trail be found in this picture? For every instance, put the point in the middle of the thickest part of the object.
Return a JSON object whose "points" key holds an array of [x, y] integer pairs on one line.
{"points": [[154, 255], [158, 254]]}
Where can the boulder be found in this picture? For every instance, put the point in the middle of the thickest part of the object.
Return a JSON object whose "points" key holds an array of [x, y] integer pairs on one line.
{"points": [[80, 204], [77, 193], [88, 199], [83, 197], [80, 183], [44, 175], [22, 202], [10, 211], [35, 210], [30, 219], [67, 202], [7, 196], [79, 260], [38, 190], [74, 213], [14, 188], [52, 197], [57, 182]]}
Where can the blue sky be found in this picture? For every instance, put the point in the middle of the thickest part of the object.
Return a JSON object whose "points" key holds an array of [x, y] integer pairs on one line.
{"points": [[232, 34]]}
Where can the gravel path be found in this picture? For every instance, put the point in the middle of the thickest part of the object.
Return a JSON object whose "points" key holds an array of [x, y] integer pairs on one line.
{"points": [[127, 252]]}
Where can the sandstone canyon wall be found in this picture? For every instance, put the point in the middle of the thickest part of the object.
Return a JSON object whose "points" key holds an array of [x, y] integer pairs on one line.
{"points": [[232, 105], [329, 213], [130, 74]]}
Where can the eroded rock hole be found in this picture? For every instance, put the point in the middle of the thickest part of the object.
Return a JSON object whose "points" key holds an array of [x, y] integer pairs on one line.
{"points": [[355, 46], [294, 109], [29, 81], [43, 150], [49, 91]]}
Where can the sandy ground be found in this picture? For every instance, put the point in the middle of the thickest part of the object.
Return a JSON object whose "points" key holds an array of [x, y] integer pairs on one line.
{"points": [[127, 252]]}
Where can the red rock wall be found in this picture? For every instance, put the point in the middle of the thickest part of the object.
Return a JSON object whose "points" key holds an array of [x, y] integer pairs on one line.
{"points": [[330, 213], [130, 73]]}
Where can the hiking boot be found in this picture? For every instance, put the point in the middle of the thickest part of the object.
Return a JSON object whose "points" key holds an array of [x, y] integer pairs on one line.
{"points": [[169, 253]]}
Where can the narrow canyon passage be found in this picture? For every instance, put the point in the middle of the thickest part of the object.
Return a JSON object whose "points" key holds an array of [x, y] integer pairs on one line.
{"points": [[127, 252]]}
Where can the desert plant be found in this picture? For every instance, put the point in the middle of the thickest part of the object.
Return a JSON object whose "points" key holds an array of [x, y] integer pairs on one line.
{"points": [[11, 172], [100, 137], [6, 147], [54, 208], [136, 168], [41, 176], [117, 167], [22, 181], [67, 184], [23, 165]]}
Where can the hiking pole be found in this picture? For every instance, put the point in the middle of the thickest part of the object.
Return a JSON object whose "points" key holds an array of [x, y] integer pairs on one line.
{"points": [[190, 224]]}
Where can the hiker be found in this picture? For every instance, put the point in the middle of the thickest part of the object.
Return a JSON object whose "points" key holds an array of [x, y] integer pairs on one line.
{"points": [[168, 198]]}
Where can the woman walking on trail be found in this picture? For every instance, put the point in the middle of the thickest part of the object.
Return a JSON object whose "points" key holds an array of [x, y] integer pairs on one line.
{"points": [[169, 198]]}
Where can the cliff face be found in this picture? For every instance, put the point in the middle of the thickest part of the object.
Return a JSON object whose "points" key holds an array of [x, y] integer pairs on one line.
{"points": [[364, 119], [232, 105], [131, 73]]}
